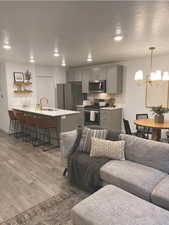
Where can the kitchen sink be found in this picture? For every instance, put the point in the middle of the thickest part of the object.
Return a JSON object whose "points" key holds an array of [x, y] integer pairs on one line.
{"points": [[49, 109]]}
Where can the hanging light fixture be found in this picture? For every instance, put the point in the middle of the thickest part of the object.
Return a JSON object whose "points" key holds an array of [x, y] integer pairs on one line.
{"points": [[154, 75]]}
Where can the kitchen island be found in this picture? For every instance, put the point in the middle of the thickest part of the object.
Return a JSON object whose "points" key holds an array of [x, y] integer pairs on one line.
{"points": [[57, 114]]}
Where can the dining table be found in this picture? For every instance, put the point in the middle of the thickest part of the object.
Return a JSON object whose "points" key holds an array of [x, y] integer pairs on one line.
{"points": [[156, 127]]}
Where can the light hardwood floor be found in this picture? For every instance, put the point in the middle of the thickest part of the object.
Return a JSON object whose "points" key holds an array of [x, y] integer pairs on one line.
{"points": [[28, 176]]}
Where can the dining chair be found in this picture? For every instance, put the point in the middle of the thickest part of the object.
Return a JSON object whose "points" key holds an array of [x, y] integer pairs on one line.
{"points": [[127, 127], [143, 131]]}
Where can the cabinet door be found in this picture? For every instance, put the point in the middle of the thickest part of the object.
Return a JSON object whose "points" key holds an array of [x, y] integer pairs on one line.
{"points": [[81, 116], [114, 79], [70, 75], [69, 123], [111, 119], [86, 76], [98, 73], [77, 75]]}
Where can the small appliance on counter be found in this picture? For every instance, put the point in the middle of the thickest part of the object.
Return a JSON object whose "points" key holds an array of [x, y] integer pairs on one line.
{"points": [[86, 102], [111, 102]]}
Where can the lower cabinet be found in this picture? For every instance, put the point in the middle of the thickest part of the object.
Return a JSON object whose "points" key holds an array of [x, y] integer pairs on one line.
{"points": [[111, 119], [70, 122], [81, 115]]}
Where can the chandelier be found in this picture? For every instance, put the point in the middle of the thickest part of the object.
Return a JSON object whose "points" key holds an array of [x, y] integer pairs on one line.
{"points": [[153, 75]]}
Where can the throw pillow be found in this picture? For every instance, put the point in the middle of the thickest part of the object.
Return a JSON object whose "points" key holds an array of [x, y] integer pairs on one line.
{"points": [[110, 149], [87, 133]]}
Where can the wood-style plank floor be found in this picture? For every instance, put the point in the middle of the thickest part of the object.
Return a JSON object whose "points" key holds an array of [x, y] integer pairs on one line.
{"points": [[28, 176]]}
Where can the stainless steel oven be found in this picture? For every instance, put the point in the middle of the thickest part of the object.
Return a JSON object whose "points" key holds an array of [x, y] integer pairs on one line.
{"points": [[91, 116], [97, 86]]}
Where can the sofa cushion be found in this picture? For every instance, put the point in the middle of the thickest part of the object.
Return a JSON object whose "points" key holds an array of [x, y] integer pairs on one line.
{"points": [[160, 194], [87, 133], [114, 206], [149, 153], [132, 177], [106, 148]]}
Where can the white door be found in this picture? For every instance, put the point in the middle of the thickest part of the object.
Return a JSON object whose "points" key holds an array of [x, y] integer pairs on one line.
{"points": [[45, 88]]}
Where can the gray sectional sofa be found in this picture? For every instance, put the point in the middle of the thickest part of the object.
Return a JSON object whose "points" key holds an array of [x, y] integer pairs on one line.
{"points": [[144, 173]]}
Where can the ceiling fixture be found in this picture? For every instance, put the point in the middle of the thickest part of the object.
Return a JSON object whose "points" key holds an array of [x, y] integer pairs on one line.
{"points": [[89, 58], [153, 75], [7, 46], [118, 37], [56, 53], [63, 62], [32, 60]]}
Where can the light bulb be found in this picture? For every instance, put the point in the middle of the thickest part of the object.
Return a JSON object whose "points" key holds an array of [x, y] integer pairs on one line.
{"points": [[118, 37], [139, 75], [165, 76]]}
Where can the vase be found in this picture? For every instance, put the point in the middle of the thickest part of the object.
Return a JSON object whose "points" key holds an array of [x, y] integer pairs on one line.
{"points": [[159, 119]]}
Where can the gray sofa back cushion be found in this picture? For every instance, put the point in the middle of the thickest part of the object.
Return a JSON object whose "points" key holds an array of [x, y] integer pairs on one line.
{"points": [[147, 152]]}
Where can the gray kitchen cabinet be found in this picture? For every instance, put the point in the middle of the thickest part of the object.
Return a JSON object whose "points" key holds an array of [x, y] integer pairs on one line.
{"points": [[74, 75], [81, 115], [70, 75], [114, 79], [98, 73], [69, 122], [111, 119], [86, 76], [78, 75]]}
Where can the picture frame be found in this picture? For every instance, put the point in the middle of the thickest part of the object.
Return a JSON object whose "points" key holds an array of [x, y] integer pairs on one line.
{"points": [[18, 77]]}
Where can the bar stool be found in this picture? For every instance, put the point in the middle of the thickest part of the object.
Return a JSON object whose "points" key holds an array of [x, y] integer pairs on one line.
{"points": [[21, 124], [31, 130], [13, 123], [44, 126]]}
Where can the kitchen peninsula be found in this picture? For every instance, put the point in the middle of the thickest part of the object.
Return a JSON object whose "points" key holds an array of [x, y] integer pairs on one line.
{"points": [[59, 115]]}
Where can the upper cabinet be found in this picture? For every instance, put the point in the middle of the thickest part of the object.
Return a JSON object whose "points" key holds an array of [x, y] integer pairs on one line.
{"points": [[98, 73], [114, 79], [74, 75], [113, 74], [86, 77]]}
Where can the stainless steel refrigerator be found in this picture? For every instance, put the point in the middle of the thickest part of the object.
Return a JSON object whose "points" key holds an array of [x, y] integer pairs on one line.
{"points": [[68, 95]]}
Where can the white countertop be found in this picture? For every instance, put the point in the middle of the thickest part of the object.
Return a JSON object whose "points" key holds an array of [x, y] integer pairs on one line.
{"points": [[54, 113]]}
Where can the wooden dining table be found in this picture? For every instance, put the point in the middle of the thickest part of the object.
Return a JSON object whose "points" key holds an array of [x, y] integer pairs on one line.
{"points": [[156, 127]]}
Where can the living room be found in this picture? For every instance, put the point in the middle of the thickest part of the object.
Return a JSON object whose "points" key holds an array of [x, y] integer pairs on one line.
{"points": [[72, 73]]}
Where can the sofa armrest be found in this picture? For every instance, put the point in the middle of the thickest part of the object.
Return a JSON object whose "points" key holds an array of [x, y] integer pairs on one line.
{"points": [[67, 141]]}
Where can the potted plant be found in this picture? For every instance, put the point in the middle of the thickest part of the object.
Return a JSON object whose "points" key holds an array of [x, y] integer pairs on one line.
{"points": [[159, 112], [28, 76]]}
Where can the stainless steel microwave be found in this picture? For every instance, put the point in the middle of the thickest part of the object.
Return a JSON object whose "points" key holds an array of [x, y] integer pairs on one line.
{"points": [[97, 86]]}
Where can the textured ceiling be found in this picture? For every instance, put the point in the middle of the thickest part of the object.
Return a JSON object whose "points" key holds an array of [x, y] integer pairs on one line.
{"points": [[79, 28]]}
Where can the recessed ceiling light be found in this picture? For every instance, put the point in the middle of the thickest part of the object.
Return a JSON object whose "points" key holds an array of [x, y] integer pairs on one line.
{"points": [[118, 37], [89, 59], [56, 53], [63, 62], [32, 60], [7, 46]]}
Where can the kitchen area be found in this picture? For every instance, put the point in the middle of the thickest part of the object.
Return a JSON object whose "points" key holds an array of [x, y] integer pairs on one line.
{"points": [[92, 91]]}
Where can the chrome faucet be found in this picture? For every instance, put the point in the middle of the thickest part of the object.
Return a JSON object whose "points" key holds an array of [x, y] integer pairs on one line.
{"points": [[41, 102]]}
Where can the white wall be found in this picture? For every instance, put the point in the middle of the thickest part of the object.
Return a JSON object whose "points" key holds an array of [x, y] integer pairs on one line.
{"points": [[4, 120], [56, 74], [133, 97]]}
